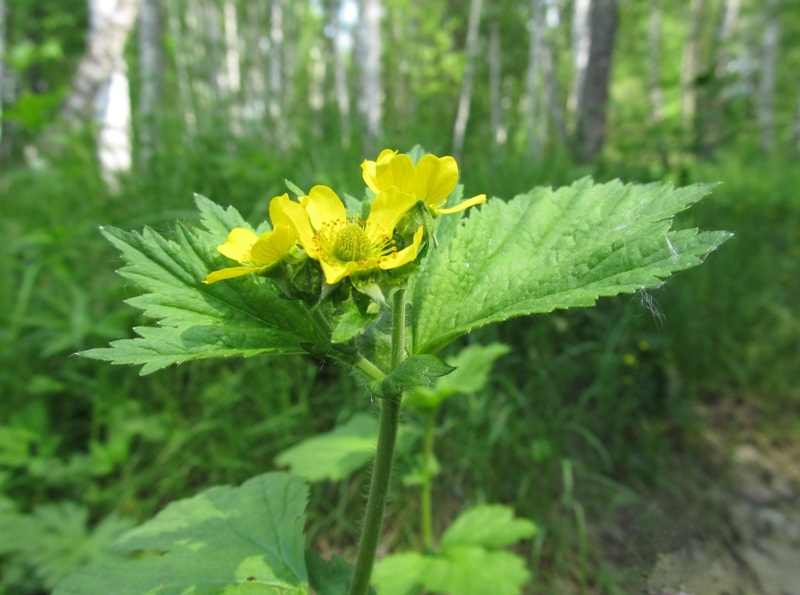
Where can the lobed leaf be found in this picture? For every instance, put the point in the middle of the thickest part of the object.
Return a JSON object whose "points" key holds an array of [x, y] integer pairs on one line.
{"points": [[551, 249], [237, 317]]}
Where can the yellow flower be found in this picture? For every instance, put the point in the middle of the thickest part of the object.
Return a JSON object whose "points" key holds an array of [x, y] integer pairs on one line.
{"points": [[255, 252], [343, 245], [431, 180]]}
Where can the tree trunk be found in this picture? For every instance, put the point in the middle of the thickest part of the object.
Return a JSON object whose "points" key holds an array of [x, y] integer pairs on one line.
{"points": [[766, 87], [724, 35], [532, 125], [112, 103], [552, 89], [580, 52], [340, 87], [499, 133], [276, 77], [654, 92], [104, 51], [690, 67], [150, 70], [594, 98], [372, 98], [232, 81], [465, 97]]}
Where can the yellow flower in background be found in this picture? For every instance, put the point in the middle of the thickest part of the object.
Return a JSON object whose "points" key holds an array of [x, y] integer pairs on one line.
{"points": [[255, 252], [431, 180], [345, 245]]}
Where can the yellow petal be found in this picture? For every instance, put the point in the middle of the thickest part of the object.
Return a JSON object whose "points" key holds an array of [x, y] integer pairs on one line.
{"points": [[272, 245], [395, 170], [324, 206], [335, 272], [405, 255], [475, 200], [238, 244], [276, 214], [228, 273], [298, 222], [368, 173], [436, 177], [387, 209]]}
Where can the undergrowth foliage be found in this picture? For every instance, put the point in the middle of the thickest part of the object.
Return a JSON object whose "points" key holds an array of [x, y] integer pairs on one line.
{"points": [[380, 285]]}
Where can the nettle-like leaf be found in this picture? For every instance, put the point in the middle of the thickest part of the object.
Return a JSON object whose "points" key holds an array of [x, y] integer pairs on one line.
{"points": [[551, 249], [468, 562], [238, 317], [247, 539]]}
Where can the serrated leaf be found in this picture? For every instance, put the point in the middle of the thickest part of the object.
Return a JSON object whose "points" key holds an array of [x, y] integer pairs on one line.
{"points": [[336, 454], [417, 370], [218, 220], [489, 525], [399, 574], [247, 539], [238, 317], [552, 249]]}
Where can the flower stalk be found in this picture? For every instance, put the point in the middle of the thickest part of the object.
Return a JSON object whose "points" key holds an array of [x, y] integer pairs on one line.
{"points": [[384, 458]]}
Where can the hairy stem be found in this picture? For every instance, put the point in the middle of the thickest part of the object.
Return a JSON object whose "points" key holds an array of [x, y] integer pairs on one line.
{"points": [[427, 481], [384, 457]]}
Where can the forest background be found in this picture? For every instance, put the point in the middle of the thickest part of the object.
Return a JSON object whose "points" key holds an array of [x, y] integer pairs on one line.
{"points": [[599, 425]]}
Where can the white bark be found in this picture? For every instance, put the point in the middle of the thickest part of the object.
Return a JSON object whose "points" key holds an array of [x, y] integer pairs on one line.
{"points": [[499, 132], [654, 91], [104, 51], [112, 102], [724, 35], [465, 97], [691, 64], [341, 89], [580, 51], [532, 78], [150, 67], [276, 77], [766, 88], [371, 12]]}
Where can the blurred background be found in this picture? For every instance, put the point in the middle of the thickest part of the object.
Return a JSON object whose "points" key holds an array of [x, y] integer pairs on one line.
{"points": [[625, 432]]}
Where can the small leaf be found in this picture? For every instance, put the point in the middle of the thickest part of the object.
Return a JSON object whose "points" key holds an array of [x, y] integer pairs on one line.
{"points": [[489, 525], [472, 570], [294, 188], [247, 539], [399, 574], [336, 454], [417, 370]]}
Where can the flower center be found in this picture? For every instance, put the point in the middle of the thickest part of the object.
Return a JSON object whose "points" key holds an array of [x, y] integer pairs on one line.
{"points": [[351, 244]]}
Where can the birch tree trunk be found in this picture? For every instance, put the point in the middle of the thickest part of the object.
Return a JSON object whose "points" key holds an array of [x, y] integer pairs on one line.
{"points": [[580, 52], [112, 103], [276, 91], [724, 34], [499, 133], [341, 89], [232, 81], [690, 67], [465, 97], [766, 87], [372, 98], [532, 125], [654, 91], [104, 51], [150, 69], [594, 98]]}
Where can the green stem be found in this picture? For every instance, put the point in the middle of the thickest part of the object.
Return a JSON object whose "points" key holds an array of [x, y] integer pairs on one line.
{"points": [[427, 482], [384, 456]]}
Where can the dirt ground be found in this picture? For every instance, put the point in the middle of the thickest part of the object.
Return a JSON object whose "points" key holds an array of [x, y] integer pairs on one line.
{"points": [[757, 551]]}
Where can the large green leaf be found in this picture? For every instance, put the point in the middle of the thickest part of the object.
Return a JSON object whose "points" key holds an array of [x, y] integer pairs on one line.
{"points": [[225, 540], [236, 317], [552, 249]]}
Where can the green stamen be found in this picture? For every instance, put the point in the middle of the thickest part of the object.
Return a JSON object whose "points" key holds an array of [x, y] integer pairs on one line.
{"points": [[351, 244]]}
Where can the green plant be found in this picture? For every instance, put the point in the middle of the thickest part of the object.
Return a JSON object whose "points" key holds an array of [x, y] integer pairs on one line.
{"points": [[381, 298]]}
